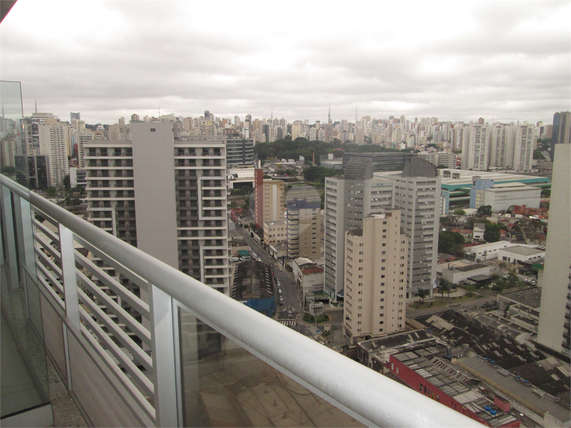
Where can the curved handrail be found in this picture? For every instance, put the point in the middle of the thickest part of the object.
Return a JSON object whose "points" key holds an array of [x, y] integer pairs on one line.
{"points": [[368, 396]]}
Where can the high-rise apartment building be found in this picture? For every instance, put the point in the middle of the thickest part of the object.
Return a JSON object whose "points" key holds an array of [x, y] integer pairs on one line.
{"points": [[304, 226], [500, 138], [523, 146], [553, 331], [375, 277], [348, 200], [166, 194], [269, 199], [475, 151], [561, 133]]}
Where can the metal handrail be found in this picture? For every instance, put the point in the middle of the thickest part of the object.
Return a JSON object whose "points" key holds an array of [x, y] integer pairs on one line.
{"points": [[366, 395]]}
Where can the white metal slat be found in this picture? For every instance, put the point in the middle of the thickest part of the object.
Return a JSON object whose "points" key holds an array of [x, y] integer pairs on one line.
{"points": [[113, 306], [126, 272], [120, 335], [138, 376], [135, 302]]}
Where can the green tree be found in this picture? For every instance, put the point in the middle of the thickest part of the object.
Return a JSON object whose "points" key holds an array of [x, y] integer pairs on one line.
{"points": [[443, 287], [537, 155], [66, 182], [492, 233], [422, 293], [451, 243], [485, 211], [459, 211], [546, 193]]}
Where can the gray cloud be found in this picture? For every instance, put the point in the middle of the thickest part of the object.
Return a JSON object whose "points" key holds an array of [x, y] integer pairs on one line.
{"points": [[456, 61]]}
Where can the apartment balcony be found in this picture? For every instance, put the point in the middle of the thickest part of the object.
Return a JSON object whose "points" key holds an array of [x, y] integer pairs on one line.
{"points": [[175, 352]]}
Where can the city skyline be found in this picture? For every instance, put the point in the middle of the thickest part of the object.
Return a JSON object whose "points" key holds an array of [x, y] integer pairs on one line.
{"points": [[504, 61]]}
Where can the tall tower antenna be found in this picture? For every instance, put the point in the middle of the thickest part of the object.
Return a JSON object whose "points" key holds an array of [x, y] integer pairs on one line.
{"points": [[329, 115], [36, 102]]}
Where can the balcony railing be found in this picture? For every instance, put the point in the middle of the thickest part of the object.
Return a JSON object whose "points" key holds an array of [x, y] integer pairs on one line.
{"points": [[155, 347]]}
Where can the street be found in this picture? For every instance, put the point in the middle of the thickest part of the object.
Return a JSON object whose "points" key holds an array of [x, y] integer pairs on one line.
{"points": [[292, 300]]}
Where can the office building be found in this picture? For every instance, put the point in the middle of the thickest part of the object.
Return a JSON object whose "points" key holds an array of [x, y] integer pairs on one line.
{"points": [[554, 316], [382, 161], [417, 195], [348, 200], [32, 171], [304, 223], [561, 133], [240, 152], [175, 209], [375, 277]]}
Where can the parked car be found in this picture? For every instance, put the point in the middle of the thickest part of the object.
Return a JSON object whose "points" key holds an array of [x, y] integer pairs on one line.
{"points": [[281, 300]]}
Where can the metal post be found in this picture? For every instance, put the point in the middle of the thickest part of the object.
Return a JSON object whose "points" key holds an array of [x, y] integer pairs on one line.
{"points": [[164, 357], [28, 237], [10, 236], [69, 276]]}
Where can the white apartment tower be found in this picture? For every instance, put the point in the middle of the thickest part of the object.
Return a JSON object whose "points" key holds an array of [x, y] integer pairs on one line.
{"points": [[553, 331], [375, 277], [166, 195], [475, 152], [524, 144], [500, 138], [347, 201]]}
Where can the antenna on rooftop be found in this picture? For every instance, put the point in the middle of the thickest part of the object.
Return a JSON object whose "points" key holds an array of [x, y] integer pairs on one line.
{"points": [[36, 101]]}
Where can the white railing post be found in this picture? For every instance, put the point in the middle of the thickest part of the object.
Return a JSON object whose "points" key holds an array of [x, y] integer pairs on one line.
{"points": [[162, 325], [28, 238], [68, 275], [10, 236]]}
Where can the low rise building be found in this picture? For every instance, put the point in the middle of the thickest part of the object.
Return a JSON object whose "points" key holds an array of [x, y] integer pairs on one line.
{"points": [[521, 253], [459, 271], [308, 275], [522, 307], [275, 231], [252, 284]]}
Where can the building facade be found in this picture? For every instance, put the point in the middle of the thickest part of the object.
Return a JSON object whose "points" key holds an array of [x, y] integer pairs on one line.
{"points": [[347, 201], [171, 203], [417, 195], [240, 152], [553, 331], [304, 228], [375, 277]]}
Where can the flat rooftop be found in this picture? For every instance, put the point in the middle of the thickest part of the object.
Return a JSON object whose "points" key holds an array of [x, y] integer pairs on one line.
{"points": [[529, 297], [525, 392], [523, 250]]}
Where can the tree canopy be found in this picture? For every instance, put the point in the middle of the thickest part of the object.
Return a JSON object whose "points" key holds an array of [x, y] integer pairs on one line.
{"points": [[492, 232], [451, 243], [485, 211], [319, 173], [288, 149]]}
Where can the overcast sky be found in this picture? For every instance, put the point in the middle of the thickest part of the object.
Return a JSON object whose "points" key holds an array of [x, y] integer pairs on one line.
{"points": [[455, 60]]}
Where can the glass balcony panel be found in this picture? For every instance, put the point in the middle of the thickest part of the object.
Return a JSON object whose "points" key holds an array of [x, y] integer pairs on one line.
{"points": [[225, 385]]}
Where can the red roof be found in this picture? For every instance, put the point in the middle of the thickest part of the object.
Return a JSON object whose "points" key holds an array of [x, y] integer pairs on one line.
{"points": [[309, 271]]}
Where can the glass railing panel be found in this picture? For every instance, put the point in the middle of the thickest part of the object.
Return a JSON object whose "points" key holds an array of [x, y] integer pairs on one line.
{"points": [[24, 378], [225, 385]]}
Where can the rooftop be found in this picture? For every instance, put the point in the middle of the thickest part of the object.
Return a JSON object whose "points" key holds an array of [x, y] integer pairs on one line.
{"points": [[529, 297], [523, 250]]}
